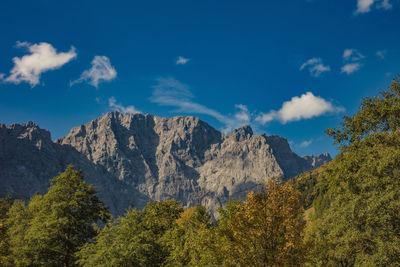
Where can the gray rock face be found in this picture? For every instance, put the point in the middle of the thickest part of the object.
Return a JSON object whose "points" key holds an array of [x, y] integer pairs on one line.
{"points": [[316, 161], [134, 158], [29, 159]]}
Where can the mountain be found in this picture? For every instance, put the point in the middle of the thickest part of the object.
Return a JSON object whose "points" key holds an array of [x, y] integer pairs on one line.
{"points": [[135, 158]]}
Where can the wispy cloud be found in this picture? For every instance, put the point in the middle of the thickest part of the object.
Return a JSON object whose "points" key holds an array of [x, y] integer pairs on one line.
{"points": [[304, 107], [350, 68], [385, 4], [101, 71], [306, 143], [350, 54], [172, 93], [243, 115], [365, 6], [352, 61], [43, 57], [381, 54], [315, 66], [182, 60], [112, 103]]}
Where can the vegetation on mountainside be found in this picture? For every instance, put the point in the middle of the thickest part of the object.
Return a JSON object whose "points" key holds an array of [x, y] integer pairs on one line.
{"points": [[357, 218], [352, 211]]}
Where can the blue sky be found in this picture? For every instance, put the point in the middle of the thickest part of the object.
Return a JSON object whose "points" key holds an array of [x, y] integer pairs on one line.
{"points": [[289, 67]]}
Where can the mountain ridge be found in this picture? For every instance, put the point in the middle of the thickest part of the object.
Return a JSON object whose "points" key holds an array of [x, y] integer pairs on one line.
{"points": [[135, 158]]}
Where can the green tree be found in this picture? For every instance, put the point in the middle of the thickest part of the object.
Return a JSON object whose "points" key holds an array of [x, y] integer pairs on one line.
{"points": [[376, 114], [135, 239], [52, 228], [357, 220], [192, 240], [5, 254]]}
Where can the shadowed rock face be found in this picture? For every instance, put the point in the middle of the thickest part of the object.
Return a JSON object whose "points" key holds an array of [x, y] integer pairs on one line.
{"points": [[132, 159]]}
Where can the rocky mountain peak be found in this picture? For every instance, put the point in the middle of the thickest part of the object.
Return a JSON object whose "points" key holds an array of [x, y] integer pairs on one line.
{"points": [[30, 132], [242, 133], [134, 158]]}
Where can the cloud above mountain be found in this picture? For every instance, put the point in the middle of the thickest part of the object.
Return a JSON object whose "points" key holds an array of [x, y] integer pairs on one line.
{"points": [[42, 57], [112, 103], [171, 92], [182, 60], [101, 71], [365, 6], [304, 107], [352, 61], [315, 66], [381, 54]]}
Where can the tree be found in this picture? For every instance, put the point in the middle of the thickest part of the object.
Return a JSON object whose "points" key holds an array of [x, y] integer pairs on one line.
{"points": [[51, 229], [357, 219], [192, 240], [267, 229], [135, 239], [5, 254], [377, 114]]}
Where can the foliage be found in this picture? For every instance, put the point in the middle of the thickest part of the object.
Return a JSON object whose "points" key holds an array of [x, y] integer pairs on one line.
{"points": [[5, 255], [376, 114], [135, 239], [51, 228], [266, 229], [357, 219], [192, 240], [306, 184]]}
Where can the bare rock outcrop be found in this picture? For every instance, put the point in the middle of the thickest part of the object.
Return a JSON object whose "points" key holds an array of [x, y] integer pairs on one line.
{"points": [[135, 158]]}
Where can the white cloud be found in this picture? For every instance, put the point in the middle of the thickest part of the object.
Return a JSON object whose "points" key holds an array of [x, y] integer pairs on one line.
{"points": [[243, 115], [365, 6], [101, 71], [315, 66], [43, 57], [352, 61], [350, 68], [112, 103], [381, 54], [263, 118], [172, 93], [352, 55], [182, 60], [2, 76], [304, 107], [306, 143]]}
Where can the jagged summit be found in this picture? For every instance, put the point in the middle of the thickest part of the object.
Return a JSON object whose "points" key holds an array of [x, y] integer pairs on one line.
{"points": [[242, 133], [134, 158]]}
